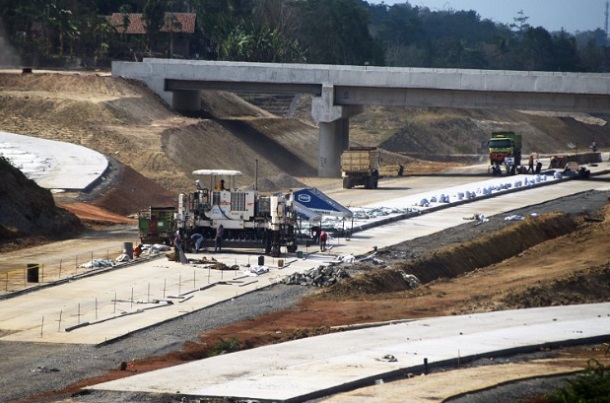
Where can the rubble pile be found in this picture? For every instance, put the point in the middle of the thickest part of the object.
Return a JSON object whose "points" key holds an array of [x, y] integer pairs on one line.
{"points": [[98, 264], [410, 279], [211, 263], [255, 271], [322, 276]]}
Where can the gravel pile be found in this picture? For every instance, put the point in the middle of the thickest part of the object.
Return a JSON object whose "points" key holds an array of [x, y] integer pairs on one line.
{"points": [[322, 276]]}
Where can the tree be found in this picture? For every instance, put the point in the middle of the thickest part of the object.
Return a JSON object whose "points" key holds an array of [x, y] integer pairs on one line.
{"points": [[153, 17], [520, 22], [536, 49], [336, 32], [401, 25], [565, 55], [174, 25], [215, 20]]}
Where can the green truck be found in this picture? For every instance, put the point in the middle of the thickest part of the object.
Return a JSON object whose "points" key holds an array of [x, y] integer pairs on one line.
{"points": [[157, 225], [504, 149]]}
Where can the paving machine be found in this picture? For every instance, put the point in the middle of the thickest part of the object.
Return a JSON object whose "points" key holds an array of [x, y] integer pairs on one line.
{"points": [[250, 220]]}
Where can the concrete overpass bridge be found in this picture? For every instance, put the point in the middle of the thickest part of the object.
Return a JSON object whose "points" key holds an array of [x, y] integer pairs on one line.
{"points": [[341, 91]]}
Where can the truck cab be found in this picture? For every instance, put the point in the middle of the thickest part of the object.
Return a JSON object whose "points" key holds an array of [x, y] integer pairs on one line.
{"points": [[504, 149]]}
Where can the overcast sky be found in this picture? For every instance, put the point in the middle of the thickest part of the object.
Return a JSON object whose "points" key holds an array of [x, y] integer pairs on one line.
{"points": [[571, 15]]}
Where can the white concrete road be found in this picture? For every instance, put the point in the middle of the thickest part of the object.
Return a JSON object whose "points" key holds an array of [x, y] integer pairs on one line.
{"points": [[318, 366], [53, 164], [115, 303], [95, 309]]}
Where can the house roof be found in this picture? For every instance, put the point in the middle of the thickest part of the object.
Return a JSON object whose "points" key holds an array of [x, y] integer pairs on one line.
{"points": [[185, 23]]}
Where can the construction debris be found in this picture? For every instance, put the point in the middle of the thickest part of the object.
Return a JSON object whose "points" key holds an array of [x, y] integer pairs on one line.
{"points": [[322, 276], [372, 258], [256, 270], [98, 264], [410, 279], [387, 358], [514, 218]]}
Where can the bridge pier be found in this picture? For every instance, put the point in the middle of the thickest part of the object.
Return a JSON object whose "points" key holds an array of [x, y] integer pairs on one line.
{"points": [[334, 139], [186, 101], [333, 124]]}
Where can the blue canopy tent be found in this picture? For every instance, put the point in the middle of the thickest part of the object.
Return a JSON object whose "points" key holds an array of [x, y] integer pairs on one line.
{"points": [[311, 204], [318, 202]]}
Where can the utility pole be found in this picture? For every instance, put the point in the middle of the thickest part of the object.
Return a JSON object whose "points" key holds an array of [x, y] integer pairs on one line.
{"points": [[606, 25]]}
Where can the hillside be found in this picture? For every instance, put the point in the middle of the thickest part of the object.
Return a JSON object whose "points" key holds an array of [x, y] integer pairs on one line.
{"points": [[27, 210], [154, 150], [121, 118]]}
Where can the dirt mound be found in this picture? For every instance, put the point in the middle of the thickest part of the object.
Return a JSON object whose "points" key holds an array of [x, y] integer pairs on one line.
{"points": [[454, 261], [226, 105], [428, 132], [91, 214], [132, 192], [578, 288], [281, 182], [461, 136], [232, 144], [29, 210]]}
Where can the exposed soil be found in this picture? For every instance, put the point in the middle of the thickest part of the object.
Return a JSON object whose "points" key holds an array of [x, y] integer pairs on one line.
{"points": [[559, 258]]}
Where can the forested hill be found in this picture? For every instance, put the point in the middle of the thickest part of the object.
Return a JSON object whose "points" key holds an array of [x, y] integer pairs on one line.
{"points": [[351, 32]]}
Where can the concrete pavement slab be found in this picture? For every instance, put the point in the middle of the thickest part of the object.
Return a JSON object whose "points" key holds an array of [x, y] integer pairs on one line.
{"points": [[118, 302], [99, 308], [318, 366], [53, 164]]}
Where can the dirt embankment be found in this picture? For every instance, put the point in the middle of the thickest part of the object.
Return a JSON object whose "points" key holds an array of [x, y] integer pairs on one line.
{"points": [[124, 119], [27, 210]]}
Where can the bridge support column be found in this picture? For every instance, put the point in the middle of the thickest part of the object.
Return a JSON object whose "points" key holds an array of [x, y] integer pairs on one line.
{"points": [[186, 101], [333, 123], [334, 139]]}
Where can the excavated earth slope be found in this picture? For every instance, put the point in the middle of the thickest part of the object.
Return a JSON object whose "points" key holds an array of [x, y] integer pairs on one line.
{"points": [[29, 210]]}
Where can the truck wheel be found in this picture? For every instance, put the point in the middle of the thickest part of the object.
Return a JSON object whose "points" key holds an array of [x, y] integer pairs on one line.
{"points": [[292, 246]]}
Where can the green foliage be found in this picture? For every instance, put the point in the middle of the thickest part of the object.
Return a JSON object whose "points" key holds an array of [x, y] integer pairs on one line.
{"points": [[154, 11], [336, 32], [351, 32], [225, 346], [593, 386]]}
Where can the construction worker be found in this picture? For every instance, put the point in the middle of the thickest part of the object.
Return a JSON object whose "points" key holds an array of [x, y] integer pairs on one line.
{"points": [[220, 231], [530, 165], [197, 238], [221, 185], [323, 238], [137, 251]]}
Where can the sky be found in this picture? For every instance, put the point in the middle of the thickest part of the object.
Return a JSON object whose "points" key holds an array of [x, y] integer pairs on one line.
{"points": [[553, 15]]}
